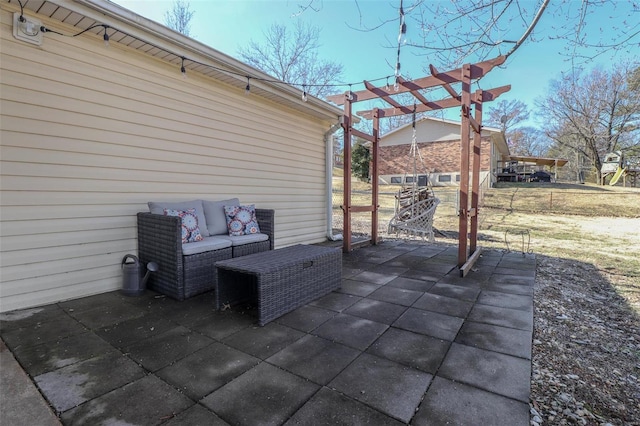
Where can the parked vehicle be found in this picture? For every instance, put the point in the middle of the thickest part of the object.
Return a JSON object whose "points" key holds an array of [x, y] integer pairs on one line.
{"points": [[540, 176]]}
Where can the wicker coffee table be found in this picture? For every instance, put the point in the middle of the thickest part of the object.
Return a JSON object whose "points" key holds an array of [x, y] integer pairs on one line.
{"points": [[280, 280]]}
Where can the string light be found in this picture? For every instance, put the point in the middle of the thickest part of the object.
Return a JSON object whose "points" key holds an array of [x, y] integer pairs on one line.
{"points": [[105, 37], [401, 34], [350, 96], [304, 93]]}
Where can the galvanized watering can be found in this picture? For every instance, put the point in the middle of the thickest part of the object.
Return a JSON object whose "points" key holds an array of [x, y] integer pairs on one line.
{"points": [[133, 284]]}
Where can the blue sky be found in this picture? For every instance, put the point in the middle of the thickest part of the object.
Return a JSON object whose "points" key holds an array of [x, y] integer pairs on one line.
{"points": [[367, 55]]}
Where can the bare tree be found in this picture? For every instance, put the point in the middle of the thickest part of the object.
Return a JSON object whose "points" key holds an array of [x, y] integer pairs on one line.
{"points": [[579, 164], [529, 141], [292, 56], [453, 32], [507, 115], [634, 80], [179, 17], [594, 113]]}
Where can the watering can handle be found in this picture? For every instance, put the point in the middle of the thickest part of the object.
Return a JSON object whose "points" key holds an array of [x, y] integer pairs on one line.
{"points": [[129, 256]]}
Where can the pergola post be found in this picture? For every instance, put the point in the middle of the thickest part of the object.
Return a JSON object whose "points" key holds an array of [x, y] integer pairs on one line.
{"points": [[374, 176], [346, 202], [475, 190], [463, 198]]}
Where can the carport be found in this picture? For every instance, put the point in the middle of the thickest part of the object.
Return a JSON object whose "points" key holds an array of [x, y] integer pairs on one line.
{"points": [[518, 168]]}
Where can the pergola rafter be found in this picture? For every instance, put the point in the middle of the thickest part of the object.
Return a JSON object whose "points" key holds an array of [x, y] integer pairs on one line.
{"points": [[445, 83], [485, 96], [413, 89], [468, 215], [386, 96]]}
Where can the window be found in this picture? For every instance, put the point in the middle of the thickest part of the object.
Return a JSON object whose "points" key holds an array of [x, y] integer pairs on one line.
{"points": [[457, 178], [444, 178], [396, 179], [408, 179]]}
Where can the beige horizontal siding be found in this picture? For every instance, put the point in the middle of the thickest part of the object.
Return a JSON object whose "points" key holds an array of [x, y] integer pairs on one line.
{"points": [[89, 135]]}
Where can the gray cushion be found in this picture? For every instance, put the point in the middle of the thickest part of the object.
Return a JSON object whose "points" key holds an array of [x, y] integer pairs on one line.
{"points": [[216, 219], [245, 239], [207, 244], [158, 208]]}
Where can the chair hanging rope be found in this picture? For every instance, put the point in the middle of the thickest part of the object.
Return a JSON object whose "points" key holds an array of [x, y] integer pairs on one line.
{"points": [[415, 205]]}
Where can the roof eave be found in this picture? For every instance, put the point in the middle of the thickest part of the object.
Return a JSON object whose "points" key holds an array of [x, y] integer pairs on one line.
{"points": [[114, 15]]}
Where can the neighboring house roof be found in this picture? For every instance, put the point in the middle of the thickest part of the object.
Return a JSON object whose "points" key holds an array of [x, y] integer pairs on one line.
{"points": [[432, 129], [156, 40]]}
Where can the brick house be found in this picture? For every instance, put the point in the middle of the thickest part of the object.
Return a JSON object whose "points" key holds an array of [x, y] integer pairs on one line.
{"points": [[439, 146]]}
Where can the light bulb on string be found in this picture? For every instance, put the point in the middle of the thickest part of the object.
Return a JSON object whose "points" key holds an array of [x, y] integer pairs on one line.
{"points": [[105, 36], [387, 86], [403, 25], [402, 38], [396, 84], [350, 96], [304, 93], [247, 89], [183, 70]]}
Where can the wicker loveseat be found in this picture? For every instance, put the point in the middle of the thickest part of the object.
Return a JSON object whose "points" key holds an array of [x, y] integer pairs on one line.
{"points": [[186, 270]]}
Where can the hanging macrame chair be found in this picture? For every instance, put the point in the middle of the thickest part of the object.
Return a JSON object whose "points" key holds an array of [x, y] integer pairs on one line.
{"points": [[415, 205]]}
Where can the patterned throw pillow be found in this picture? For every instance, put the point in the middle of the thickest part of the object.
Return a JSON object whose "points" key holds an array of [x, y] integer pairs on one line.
{"points": [[241, 220], [190, 230]]}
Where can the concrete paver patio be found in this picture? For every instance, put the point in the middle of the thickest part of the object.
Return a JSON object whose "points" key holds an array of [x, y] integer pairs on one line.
{"points": [[404, 341]]}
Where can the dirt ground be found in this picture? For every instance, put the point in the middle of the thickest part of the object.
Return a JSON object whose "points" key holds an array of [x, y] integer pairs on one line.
{"points": [[586, 352]]}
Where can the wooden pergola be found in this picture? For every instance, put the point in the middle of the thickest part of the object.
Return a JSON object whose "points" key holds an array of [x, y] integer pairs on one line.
{"points": [[468, 251]]}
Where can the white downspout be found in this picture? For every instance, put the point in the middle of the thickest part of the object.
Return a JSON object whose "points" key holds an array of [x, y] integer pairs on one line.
{"points": [[329, 181]]}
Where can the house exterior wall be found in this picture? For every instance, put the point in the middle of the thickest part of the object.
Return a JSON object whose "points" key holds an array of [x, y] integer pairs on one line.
{"points": [[90, 134], [439, 158], [426, 130]]}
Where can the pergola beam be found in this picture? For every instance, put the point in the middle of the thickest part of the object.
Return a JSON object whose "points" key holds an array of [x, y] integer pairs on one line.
{"points": [[485, 96], [362, 135], [477, 71], [474, 124]]}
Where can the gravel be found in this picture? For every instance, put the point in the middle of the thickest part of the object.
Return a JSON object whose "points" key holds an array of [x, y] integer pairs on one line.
{"points": [[586, 348]]}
